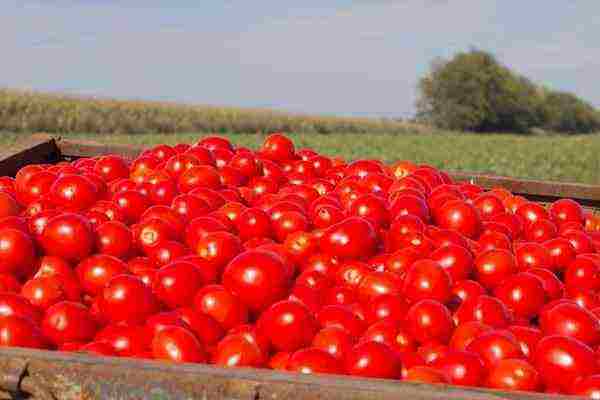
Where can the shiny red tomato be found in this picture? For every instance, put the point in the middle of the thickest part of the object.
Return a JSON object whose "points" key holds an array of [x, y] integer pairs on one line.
{"points": [[17, 252], [217, 302], [115, 239], [259, 278], [352, 238], [288, 325], [513, 374], [68, 236], [460, 216], [177, 344], [127, 299], [68, 322], [335, 340], [427, 279], [373, 360], [561, 360], [429, 320], [523, 293], [73, 192], [494, 266], [17, 331], [95, 272], [461, 367], [177, 283], [313, 360]]}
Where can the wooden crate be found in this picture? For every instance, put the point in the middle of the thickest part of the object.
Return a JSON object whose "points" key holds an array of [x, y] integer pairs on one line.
{"points": [[36, 374]]}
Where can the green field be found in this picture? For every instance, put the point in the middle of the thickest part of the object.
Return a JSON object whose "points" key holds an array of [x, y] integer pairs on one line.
{"points": [[562, 158]]}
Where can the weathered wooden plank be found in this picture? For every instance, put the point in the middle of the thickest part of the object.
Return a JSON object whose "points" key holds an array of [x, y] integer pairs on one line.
{"points": [[79, 149], [530, 186], [34, 150], [78, 376]]}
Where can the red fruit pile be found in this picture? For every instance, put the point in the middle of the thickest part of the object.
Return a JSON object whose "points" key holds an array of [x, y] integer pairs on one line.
{"points": [[292, 260]]}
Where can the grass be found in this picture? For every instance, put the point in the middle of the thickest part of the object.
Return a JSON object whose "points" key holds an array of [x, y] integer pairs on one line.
{"points": [[560, 158]]}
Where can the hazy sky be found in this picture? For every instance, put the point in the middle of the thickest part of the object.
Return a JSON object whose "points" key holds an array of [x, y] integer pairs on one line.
{"points": [[336, 56]]}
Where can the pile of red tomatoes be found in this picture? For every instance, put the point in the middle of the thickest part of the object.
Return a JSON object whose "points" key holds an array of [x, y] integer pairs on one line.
{"points": [[291, 260]]}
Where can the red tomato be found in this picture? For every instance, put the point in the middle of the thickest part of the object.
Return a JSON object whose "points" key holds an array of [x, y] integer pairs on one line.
{"points": [[68, 236], [352, 238], [561, 360], [427, 279], [236, 350], [125, 339], [68, 322], [127, 299], [177, 283], [460, 216], [313, 360], [115, 239], [73, 192], [465, 333], [132, 204], [461, 367], [513, 374], [571, 320], [16, 331], [258, 278], [373, 360], [429, 320], [486, 309], [566, 210], [493, 266], [523, 293], [335, 340], [177, 344], [494, 346], [8, 205], [17, 252], [96, 271], [226, 308], [205, 327]]}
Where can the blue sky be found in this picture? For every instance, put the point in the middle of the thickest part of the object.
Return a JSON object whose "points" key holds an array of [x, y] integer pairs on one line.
{"points": [[360, 57]]}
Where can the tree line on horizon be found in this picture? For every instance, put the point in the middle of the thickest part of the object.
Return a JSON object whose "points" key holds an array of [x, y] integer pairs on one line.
{"points": [[474, 92]]}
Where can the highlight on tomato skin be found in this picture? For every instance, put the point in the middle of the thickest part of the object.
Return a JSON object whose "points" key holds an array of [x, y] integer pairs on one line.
{"points": [[289, 259]]}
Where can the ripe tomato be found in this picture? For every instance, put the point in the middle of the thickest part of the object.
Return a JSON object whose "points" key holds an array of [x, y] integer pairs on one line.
{"points": [[427, 279], [373, 360], [73, 192], [494, 346], [115, 239], [313, 360], [17, 252], [217, 302], [68, 322], [177, 344], [460, 216], [68, 236], [493, 266], [561, 360], [513, 374], [177, 283], [127, 299], [335, 340], [259, 278], [17, 331], [429, 320], [461, 367], [352, 238]]}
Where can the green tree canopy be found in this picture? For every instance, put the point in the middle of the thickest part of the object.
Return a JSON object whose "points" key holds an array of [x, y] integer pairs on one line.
{"points": [[474, 92]]}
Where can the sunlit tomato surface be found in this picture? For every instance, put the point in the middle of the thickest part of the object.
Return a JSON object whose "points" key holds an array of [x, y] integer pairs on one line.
{"points": [[272, 257]]}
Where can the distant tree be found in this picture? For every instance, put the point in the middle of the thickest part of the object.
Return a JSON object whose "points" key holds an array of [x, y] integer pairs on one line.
{"points": [[474, 92]]}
